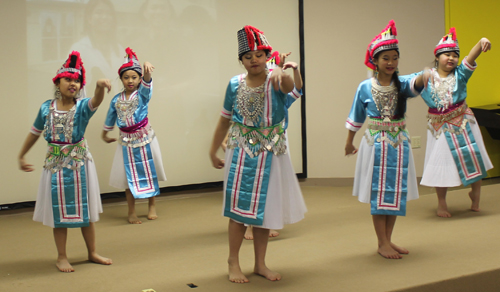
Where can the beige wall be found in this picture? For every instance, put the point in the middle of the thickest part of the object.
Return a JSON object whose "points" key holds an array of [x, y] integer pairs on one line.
{"points": [[337, 34]]}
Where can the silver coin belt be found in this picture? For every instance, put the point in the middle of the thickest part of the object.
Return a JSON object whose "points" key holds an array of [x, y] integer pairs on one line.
{"points": [[60, 123], [257, 140], [395, 131], [139, 138], [250, 101], [70, 156], [454, 122]]}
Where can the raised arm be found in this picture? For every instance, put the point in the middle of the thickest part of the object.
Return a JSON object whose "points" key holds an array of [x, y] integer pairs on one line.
{"points": [[101, 85], [220, 133], [483, 45], [28, 143]]}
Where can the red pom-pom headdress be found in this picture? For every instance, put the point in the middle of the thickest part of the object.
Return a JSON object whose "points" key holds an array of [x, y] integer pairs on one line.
{"points": [[131, 62], [252, 39], [384, 41], [273, 61], [72, 68], [448, 43]]}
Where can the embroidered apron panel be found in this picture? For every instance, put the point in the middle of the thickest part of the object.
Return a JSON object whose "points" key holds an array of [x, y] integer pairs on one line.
{"points": [[69, 198], [141, 171], [389, 180], [247, 184], [466, 153]]}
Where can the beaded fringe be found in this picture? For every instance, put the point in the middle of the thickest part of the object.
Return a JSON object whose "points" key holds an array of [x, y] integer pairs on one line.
{"points": [[257, 140], [71, 156], [395, 132], [141, 137], [453, 129]]}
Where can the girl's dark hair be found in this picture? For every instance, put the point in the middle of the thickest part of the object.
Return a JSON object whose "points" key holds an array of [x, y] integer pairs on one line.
{"points": [[401, 106]]}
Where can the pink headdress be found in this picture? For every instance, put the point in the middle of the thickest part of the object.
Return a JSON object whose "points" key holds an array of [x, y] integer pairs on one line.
{"points": [[72, 68], [252, 39], [384, 41], [130, 63], [448, 43]]}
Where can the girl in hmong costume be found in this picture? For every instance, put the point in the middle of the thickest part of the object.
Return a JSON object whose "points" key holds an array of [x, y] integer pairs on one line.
{"points": [[260, 185], [278, 61], [385, 174], [455, 152], [68, 195], [137, 166]]}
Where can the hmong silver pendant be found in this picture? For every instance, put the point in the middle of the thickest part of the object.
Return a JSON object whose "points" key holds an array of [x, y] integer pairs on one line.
{"points": [[250, 101], [125, 109], [385, 98], [442, 90], [60, 123]]}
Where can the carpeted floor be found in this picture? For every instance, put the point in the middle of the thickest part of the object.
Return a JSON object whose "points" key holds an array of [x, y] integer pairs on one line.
{"points": [[332, 249]]}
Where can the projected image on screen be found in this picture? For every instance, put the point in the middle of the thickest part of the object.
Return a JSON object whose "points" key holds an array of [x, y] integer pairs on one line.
{"points": [[193, 46]]}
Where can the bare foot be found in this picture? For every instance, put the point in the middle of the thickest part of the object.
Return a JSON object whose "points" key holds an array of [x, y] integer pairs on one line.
{"points": [[132, 219], [249, 233], [273, 233], [94, 257], [388, 252], [443, 212], [475, 202], [399, 249], [266, 273], [235, 274], [152, 213], [63, 265]]}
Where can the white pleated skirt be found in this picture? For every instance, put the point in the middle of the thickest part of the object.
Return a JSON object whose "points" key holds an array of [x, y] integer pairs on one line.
{"points": [[440, 169], [362, 187], [43, 208], [284, 202], [118, 177]]}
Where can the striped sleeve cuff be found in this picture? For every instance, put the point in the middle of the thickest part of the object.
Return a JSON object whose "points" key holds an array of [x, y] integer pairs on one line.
{"points": [[90, 105], [35, 131], [352, 125], [469, 66], [108, 128], [295, 93], [145, 84], [412, 86], [226, 114]]}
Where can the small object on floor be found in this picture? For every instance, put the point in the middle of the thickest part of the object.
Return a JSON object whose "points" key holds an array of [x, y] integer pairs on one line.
{"points": [[149, 290], [191, 285]]}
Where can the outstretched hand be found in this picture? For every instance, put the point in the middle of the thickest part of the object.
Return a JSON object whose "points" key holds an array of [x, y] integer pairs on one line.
{"points": [[104, 83], [350, 150], [485, 45], [292, 65], [108, 139], [148, 68], [24, 166], [283, 56], [217, 162]]}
